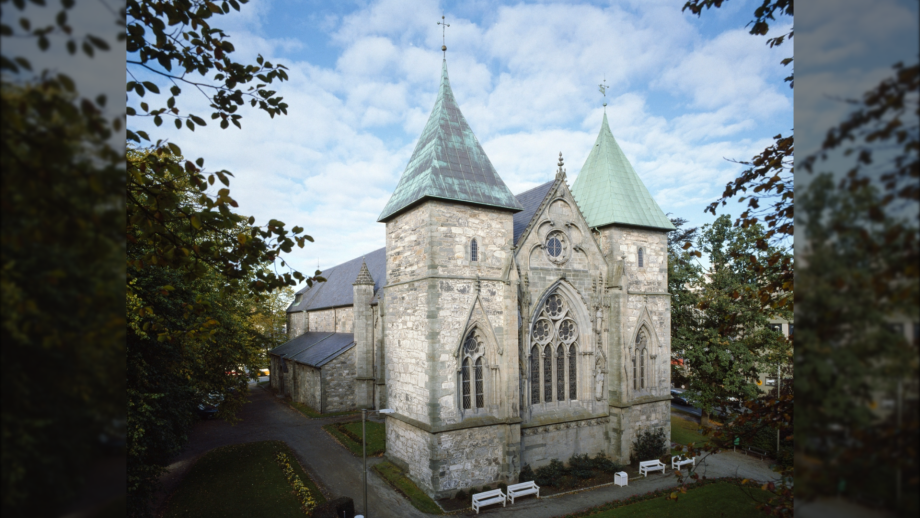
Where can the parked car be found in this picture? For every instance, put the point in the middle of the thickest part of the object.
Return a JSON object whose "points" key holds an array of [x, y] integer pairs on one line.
{"points": [[677, 397], [208, 406]]}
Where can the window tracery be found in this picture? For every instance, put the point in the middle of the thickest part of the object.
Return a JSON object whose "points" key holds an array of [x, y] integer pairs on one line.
{"points": [[553, 335], [639, 360], [471, 373]]}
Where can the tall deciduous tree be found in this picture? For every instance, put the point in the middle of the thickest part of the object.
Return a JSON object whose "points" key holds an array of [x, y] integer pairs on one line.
{"points": [[727, 339], [683, 273]]}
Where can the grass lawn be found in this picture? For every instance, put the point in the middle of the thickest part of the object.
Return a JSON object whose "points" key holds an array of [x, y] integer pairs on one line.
{"points": [[240, 480], [395, 477], [685, 431], [349, 434], [313, 414], [709, 501]]}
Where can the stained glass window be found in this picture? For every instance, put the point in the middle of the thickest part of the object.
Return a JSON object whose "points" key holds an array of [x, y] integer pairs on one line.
{"points": [[567, 330], [572, 372], [480, 395], [560, 373], [534, 376], [465, 375], [554, 306], [547, 374], [474, 251]]}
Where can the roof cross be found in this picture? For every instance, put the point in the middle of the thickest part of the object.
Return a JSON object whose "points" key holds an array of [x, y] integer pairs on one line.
{"points": [[603, 87], [444, 25]]}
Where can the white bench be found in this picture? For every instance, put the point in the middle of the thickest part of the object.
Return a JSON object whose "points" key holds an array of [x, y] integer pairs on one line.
{"points": [[651, 465], [488, 498], [677, 462], [522, 489]]}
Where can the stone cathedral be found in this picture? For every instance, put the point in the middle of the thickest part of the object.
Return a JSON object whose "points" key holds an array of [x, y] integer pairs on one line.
{"points": [[503, 330]]}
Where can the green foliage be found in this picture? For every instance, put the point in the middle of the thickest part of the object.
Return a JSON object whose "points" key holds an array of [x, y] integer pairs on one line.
{"points": [[62, 307], [503, 487], [527, 474], [461, 495], [649, 445], [727, 340], [602, 463], [551, 474]]}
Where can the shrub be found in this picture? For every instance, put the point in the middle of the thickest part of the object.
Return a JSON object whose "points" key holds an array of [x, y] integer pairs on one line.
{"points": [[527, 474], [461, 495], [649, 445], [503, 487], [602, 463], [551, 474], [580, 462]]}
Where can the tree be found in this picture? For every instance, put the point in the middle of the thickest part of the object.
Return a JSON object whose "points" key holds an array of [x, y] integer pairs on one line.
{"points": [[767, 185], [61, 274], [727, 339], [683, 273]]}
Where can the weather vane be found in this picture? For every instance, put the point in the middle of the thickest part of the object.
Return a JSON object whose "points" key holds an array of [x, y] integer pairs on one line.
{"points": [[444, 25], [603, 87]]}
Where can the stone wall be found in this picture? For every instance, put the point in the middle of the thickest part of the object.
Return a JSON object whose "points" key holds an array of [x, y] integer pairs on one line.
{"points": [[339, 383], [306, 385], [642, 417], [296, 324], [562, 440], [334, 320], [626, 241], [654, 312], [409, 448], [469, 458]]}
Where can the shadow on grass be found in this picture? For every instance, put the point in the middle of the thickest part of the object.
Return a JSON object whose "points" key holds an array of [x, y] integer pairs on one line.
{"points": [[349, 435], [399, 481], [240, 480]]}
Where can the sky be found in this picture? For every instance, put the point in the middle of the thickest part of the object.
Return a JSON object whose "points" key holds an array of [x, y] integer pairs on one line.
{"points": [[685, 94]]}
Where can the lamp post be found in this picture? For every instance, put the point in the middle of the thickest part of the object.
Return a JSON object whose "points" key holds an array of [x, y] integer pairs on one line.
{"points": [[364, 446]]}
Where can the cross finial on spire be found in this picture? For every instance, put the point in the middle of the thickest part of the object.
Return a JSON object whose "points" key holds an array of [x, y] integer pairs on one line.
{"points": [[603, 87], [444, 25]]}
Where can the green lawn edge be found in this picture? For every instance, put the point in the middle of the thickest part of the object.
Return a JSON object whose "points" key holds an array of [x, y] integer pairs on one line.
{"points": [[351, 445], [313, 414], [401, 483], [240, 480], [699, 501]]}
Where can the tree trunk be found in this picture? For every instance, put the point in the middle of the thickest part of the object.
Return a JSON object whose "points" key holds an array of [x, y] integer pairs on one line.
{"points": [[704, 418]]}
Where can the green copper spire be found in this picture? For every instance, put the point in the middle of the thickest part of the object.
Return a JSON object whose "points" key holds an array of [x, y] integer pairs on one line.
{"points": [[448, 163], [609, 191]]}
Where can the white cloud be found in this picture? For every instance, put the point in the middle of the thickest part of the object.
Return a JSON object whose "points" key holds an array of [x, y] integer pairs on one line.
{"points": [[526, 79]]}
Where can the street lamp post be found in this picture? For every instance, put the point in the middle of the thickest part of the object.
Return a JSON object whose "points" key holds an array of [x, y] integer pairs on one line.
{"points": [[364, 446]]}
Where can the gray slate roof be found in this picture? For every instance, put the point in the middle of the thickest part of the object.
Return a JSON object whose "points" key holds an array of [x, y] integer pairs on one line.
{"points": [[531, 201], [338, 289], [315, 349]]}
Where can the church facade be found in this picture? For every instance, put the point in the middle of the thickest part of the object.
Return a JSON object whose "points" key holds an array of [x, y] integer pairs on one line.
{"points": [[502, 330]]}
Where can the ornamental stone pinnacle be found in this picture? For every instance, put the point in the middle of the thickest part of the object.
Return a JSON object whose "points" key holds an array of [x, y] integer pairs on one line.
{"points": [[364, 276]]}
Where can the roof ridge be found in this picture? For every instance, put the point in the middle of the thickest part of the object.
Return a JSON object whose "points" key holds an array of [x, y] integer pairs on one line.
{"points": [[533, 188]]}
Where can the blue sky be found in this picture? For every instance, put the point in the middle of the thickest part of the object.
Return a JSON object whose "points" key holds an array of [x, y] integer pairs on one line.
{"points": [[684, 94]]}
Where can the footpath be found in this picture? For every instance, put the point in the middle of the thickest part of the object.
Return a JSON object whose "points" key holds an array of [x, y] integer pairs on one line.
{"points": [[338, 473]]}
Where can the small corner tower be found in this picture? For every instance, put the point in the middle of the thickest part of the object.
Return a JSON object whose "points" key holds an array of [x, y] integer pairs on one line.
{"points": [[364, 338]]}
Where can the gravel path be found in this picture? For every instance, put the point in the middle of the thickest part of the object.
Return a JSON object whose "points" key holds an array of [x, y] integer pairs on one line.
{"points": [[338, 473]]}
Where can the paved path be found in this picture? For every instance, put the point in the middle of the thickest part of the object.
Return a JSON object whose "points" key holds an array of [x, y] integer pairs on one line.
{"points": [[339, 473]]}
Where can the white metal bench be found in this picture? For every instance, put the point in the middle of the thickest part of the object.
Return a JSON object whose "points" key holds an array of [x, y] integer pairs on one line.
{"points": [[677, 461], [651, 465], [522, 489], [488, 498]]}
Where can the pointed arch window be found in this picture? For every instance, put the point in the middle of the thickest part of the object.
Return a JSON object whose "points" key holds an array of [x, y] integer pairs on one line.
{"points": [[465, 376], [472, 372], [560, 373], [552, 370], [534, 375], [474, 250], [638, 360], [572, 373]]}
